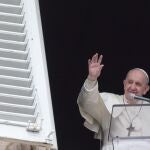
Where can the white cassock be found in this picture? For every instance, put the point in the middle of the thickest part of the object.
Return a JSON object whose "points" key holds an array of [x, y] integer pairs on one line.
{"points": [[96, 109]]}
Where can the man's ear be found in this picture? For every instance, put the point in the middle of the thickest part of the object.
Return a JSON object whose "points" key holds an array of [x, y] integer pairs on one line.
{"points": [[124, 83], [147, 89]]}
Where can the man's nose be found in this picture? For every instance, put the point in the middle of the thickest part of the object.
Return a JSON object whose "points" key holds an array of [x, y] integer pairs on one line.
{"points": [[133, 86]]}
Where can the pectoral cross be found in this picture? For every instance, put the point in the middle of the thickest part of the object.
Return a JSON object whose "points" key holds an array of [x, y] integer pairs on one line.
{"points": [[130, 129]]}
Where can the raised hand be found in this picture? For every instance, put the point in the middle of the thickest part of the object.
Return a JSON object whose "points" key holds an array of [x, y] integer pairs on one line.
{"points": [[95, 67]]}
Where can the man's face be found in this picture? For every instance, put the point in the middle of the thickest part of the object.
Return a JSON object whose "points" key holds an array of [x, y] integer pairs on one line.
{"points": [[135, 82]]}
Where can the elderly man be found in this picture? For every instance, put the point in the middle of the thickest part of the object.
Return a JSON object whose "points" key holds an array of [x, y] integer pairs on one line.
{"points": [[96, 108]]}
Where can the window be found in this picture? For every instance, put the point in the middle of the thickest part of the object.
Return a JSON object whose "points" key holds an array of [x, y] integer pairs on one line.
{"points": [[26, 112]]}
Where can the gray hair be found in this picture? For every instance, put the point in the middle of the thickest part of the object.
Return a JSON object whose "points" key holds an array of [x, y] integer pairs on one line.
{"points": [[143, 71]]}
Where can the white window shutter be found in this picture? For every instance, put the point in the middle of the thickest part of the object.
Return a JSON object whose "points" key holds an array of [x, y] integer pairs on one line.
{"points": [[26, 112]]}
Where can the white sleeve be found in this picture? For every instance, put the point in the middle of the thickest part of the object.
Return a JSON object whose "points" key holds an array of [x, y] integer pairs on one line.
{"points": [[89, 106]]}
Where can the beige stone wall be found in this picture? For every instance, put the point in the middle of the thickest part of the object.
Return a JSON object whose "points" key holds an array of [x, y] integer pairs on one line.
{"points": [[19, 146]]}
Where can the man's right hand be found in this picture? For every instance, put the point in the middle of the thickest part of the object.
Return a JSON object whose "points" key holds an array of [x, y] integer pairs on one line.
{"points": [[95, 67]]}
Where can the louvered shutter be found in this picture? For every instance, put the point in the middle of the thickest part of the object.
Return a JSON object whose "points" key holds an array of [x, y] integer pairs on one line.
{"points": [[25, 101]]}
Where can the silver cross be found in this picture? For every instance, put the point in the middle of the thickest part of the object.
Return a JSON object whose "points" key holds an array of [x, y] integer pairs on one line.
{"points": [[130, 129]]}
